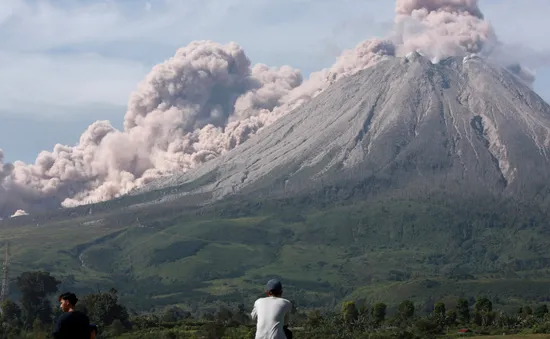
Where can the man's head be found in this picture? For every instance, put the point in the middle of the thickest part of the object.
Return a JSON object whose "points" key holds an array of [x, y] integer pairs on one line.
{"points": [[67, 301], [274, 288]]}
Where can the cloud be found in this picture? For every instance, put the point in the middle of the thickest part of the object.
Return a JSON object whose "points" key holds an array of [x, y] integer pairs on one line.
{"points": [[90, 38], [32, 82], [522, 25], [523, 22], [72, 53]]}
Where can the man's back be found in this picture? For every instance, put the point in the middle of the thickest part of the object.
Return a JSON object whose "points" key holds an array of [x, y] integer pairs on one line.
{"points": [[73, 325], [272, 314]]}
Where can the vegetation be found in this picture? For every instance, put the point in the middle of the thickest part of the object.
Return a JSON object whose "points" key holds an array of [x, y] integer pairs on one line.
{"points": [[329, 247], [355, 319]]}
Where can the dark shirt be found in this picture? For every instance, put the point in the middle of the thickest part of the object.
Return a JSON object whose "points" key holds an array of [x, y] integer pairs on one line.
{"points": [[72, 325]]}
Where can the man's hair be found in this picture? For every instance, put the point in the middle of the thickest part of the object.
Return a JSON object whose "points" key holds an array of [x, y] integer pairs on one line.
{"points": [[71, 297], [93, 328], [274, 287]]}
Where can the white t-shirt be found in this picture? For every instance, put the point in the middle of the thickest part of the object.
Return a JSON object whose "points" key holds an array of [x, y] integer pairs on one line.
{"points": [[272, 314]]}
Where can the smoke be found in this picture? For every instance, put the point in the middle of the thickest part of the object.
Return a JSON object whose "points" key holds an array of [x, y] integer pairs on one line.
{"points": [[19, 213], [407, 7], [442, 28], [6, 205], [207, 99], [178, 118]]}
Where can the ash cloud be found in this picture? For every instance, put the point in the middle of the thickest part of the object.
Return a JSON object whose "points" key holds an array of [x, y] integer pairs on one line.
{"points": [[208, 98], [441, 28], [19, 213]]}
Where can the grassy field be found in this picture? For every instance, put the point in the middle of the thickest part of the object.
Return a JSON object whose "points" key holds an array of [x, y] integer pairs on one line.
{"points": [[386, 249]]}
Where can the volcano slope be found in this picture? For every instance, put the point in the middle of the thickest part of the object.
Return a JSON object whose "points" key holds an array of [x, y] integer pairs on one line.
{"points": [[406, 180], [461, 123]]}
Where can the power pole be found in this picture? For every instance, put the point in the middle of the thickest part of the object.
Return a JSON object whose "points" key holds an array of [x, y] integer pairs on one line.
{"points": [[5, 276]]}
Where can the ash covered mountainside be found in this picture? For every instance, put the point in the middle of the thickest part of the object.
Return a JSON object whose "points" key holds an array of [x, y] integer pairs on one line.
{"points": [[461, 122]]}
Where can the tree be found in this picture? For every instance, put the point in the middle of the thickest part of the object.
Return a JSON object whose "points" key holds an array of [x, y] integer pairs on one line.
{"points": [[406, 310], [116, 328], [379, 313], [11, 312], [483, 305], [541, 311], [103, 308], [427, 327], [223, 315], [35, 287], [349, 311], [241, 316], [451, 317], [483, 311], [526, 310], [463, 311], [173, 314], [439, 310]]}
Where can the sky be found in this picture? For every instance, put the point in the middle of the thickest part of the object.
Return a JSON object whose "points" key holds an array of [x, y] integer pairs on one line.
{"points": [[67, 63]]}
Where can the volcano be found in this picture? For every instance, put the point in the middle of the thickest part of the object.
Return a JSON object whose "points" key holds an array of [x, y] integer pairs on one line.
{"points": [[450, 160], [461, 123]]}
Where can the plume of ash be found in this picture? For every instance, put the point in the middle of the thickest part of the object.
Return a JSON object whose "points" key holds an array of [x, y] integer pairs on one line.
{"points": [[8, 201], [407, 7], [442, 28], [19, 213], [181, 115], [208, 99]]}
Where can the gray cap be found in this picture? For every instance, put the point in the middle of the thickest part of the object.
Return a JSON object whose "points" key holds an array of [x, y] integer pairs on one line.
{"points": [[274, 285]]}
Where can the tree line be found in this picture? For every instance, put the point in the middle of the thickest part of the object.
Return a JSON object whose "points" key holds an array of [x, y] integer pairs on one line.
{"points": [[33, 316]]}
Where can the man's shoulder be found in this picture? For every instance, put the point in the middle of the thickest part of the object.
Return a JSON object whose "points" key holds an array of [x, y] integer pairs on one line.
{"points": [[259, 300], [269, 299], [76, 315], [277, 301], [81, 314], [63, 316], [286, 302], [283, 300]]}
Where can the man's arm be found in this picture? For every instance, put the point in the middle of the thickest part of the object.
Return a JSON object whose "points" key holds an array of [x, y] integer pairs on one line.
{"points": [[254, 313], [57, 331]]}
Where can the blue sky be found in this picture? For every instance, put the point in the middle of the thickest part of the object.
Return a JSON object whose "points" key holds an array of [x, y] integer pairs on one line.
{"points": [[67, 63]]}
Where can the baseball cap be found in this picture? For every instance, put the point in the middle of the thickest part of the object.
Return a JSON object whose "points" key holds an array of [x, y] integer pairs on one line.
{"points": [[274, 285]]}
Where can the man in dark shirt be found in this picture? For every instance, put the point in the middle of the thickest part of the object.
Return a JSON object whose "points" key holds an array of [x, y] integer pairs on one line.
{"points": [[71, 324]]}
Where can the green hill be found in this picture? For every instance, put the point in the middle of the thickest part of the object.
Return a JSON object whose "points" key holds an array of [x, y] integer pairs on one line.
{"points": [[336, 244]]}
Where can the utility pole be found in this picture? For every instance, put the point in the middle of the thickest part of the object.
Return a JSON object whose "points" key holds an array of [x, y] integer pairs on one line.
{"points": [[5, 276]]}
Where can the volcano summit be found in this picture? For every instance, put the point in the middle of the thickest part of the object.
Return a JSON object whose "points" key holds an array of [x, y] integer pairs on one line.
{"points": [[461, 122]]}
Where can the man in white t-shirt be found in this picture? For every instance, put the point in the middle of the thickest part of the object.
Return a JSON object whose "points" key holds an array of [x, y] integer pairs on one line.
{"points": [[272, 313]]}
